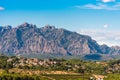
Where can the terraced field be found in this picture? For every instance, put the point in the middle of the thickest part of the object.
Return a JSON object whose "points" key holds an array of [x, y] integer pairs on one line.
{"points": [[67, 77]]}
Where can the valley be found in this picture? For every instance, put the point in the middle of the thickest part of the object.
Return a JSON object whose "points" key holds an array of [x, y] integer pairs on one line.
{"points": [[57, 69]]}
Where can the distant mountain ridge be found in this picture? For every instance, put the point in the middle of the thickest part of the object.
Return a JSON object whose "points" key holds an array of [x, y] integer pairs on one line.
{"points": [[28, 39]]}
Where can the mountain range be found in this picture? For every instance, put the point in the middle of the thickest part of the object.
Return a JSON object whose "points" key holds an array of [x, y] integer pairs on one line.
{"points": [[29, 39]]}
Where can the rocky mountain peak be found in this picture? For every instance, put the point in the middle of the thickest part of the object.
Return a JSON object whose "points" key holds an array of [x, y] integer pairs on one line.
{"points": [[4, 29], [49, 27], [116, 47], [27, 38], [8, 27], [27, 25]]}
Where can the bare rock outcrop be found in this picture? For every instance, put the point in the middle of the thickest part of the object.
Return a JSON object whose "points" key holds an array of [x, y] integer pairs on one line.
{"points": [[28, 39]]}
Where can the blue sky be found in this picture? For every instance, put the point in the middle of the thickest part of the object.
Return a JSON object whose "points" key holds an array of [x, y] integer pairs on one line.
{"points": [[97, 18]]}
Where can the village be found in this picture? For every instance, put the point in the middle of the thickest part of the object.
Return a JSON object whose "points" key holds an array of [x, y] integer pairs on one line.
{"points": [[50, 66]]}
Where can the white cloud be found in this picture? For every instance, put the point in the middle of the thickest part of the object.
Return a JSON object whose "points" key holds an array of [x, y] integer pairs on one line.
{"points": [[111, 38], [105, 1], [100, 6], [1, 8], [105, 25]]}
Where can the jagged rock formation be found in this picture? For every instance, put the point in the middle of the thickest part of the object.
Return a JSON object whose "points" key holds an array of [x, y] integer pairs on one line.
{"points": [[114, 50], [28, 39]]}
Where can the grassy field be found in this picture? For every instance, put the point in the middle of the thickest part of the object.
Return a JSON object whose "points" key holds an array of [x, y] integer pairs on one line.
{"points": [[13, 68], [67, 77], [55, 76]]}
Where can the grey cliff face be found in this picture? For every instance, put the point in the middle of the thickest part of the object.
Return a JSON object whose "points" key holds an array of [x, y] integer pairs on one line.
{"points": [[28, 39]]}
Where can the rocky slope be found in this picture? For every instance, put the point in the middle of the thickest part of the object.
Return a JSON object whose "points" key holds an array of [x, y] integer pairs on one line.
{"points": [[28, 39]]}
